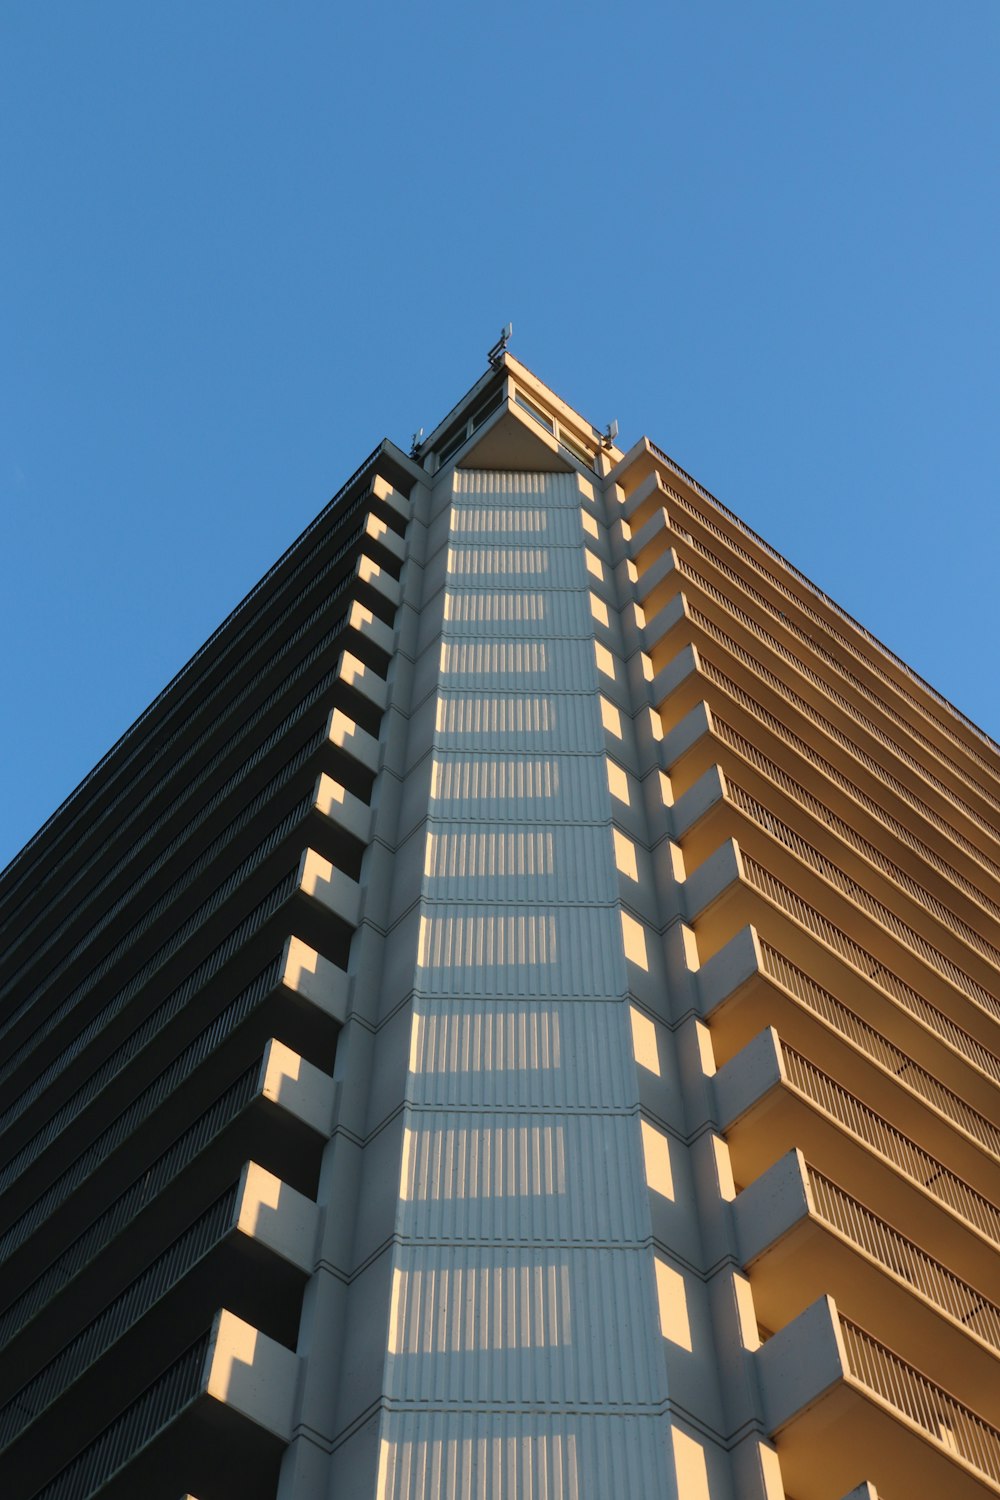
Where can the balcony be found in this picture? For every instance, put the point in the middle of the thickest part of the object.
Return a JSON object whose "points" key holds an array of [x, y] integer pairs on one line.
{"points": [[254, 1245], [750, 984], [215, 1423], [843, 1407], [771, 1099], [800, 1236]]}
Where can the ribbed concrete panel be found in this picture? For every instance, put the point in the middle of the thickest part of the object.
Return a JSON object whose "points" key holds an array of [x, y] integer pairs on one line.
{"points": [[499, 862], [505, 1177], [480, 567], [518, 722], [483, 521], [522, 1274], [536, 613], [479, 949], [549, 489], [495, 1055], [470, 1325], [456, 1455], [547, 788], [558, 665]]}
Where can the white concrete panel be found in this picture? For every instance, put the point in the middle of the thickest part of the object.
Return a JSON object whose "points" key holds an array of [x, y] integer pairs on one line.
{"points": [[478, 949], [475, 565], [540, 614], [429, 1454], [552, 489], [470, 1324], [520, 1176], [567, 1054], [524, 788], [558, 666], [503, 862], [517, 722]]}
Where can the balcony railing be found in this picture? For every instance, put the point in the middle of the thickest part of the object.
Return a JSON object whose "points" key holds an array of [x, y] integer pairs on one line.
{"points": [[856, 841], [833, 774], [877, 770], [900, 1255], [149, 1414], [90, 890], [187, 672], [874, 972], [168, 1082], [128, 1204], [879, 1048], [824, 624], [892, 1144], [120, 1315], [924, 1403], [165, 1011], [816, 646], [873, 908]]}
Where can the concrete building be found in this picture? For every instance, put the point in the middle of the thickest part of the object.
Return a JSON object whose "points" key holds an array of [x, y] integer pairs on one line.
{"points": [[515, 1019]]}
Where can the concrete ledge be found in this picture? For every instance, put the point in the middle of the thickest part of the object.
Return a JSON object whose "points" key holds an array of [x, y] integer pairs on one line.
{"points": [[366, 624], [651, 486], [364, 680], [736, 962], [679, 740], [379, 532], [799, 1364], [342, 731], [383, 490], [377, 578], [275, 1215], [315, 978], [650, 528], [251, 1374], [771, 1206], [670, 677], [748, 1076], [329, 886], [343, 808], [707, 791], [294, 1084], [720, 870]]}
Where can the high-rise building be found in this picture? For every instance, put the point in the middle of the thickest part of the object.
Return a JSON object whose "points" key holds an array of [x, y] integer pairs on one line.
{"points": [[515, 1019]]}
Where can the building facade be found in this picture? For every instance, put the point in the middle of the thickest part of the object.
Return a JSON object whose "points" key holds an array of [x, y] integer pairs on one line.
{"points": [[516, 1019]]}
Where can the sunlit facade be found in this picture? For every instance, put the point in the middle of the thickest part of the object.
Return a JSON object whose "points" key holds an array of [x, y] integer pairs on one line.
{"points": [[516, 1019]]}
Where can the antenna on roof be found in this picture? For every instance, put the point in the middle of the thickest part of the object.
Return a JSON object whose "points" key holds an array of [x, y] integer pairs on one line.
{"points": [[500, 347], [415, 442], [608, 440]]}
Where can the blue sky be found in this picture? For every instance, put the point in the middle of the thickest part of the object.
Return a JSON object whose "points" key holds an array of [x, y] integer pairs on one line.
{"points": [[244, 241]]}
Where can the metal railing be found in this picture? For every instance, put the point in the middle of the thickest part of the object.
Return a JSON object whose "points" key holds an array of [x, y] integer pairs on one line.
{"points": [[821, 651], [73, 1361], [170, 1081], [872, 970], [905, 1259], [857, 842], [163, 1013], [137, 1196], [781, 732], [946, 1420], [93, 889], [160, 1404], [863, 899], [831, 604], [188, 669], [787, 694], [891, 1144], [881, 1051], [193, 759]]}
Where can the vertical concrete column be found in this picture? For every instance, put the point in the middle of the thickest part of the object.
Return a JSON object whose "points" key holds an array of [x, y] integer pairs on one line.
{"points": [[522, 1347]]}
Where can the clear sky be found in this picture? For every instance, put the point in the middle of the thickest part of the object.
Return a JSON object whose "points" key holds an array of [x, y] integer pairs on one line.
{"points": [[243, 241]]}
